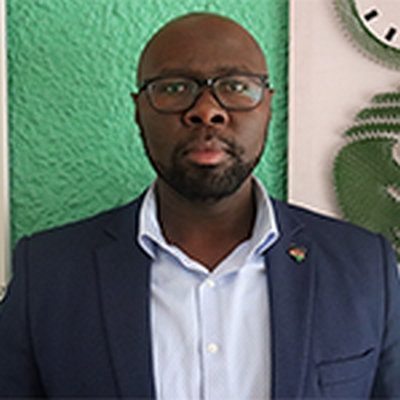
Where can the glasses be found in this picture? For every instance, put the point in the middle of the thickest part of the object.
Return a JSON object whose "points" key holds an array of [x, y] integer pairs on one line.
{"points": [[239, 92]]}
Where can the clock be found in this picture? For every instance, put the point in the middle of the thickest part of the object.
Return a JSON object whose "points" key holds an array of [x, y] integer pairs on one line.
{"points": [[374, 25]]}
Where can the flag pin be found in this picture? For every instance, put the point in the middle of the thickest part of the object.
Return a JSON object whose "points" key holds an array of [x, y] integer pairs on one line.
{"points": [[298, 253]]}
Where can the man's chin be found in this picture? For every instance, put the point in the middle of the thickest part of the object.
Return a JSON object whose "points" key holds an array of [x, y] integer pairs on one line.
{"points": [[209, 187], [205, 183]]}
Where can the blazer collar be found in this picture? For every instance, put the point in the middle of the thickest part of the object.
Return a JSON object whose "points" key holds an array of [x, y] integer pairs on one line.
{"points": [[291, 283]]}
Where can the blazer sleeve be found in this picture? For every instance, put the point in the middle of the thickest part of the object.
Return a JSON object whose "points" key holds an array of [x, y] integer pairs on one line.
{"points": [[387, 381], [19, 376]]}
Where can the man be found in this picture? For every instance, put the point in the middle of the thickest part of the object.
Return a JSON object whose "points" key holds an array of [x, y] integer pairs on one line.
{"points": [[204, 287]]}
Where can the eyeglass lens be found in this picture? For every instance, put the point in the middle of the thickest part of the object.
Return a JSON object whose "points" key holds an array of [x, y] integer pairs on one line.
{"points": [[239, 92]]}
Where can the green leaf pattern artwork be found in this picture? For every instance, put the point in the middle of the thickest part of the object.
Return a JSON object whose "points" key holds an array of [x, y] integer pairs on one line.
{"points": [[367, 168]]}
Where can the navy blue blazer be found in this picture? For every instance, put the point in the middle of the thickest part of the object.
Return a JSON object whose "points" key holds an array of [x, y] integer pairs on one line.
{"points": [[76, 323]]}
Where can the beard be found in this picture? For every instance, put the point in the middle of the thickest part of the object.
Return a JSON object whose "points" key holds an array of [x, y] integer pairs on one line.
{"points": [[205, 183]]}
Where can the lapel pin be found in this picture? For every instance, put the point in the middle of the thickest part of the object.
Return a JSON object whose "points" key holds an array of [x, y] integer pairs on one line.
{"points": [[298, 253]]}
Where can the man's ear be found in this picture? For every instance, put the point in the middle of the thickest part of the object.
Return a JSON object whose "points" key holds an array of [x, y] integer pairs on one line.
{"points": [[135, 98]]}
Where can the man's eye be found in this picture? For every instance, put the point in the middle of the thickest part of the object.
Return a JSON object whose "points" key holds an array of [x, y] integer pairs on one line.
{"points": [[233, 86], [172, 88]]}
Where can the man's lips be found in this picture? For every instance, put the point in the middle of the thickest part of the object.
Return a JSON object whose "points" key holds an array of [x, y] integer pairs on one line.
{"points": [[207, 154], [206, 157]]}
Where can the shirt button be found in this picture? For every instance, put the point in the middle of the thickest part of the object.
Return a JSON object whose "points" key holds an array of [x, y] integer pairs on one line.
{"points": [[212, 348], [210, 283]]}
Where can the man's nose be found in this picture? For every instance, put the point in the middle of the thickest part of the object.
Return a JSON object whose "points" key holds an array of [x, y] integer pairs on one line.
{"points": [[206, 111]]}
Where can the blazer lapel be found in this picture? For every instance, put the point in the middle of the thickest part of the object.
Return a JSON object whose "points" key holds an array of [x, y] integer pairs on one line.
{"points": [[291, 280], [124, 279]]}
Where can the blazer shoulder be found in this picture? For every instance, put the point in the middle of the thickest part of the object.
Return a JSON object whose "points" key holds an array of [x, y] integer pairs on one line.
{"points": [[334, 237], [315, 221], [94, 229]]}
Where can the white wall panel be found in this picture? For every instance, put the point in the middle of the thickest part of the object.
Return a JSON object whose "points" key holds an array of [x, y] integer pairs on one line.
{"points": [[330, 81]]}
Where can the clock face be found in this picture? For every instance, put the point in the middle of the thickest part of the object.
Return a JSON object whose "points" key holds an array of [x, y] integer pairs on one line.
{"points": [[374, 25], [382, 19]]}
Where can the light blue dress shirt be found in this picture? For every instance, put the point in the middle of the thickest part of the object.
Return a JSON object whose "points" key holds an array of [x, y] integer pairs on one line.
{"points": [[210, 330]]}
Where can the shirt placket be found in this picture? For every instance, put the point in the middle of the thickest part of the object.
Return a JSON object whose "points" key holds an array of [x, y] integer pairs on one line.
{"points": [[211, 345]]}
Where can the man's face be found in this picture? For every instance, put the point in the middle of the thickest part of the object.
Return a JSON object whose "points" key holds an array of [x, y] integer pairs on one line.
{"points": [[204, 153]]}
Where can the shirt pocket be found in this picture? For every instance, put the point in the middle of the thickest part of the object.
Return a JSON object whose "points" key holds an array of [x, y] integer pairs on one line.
{"points": [[351, 375]]}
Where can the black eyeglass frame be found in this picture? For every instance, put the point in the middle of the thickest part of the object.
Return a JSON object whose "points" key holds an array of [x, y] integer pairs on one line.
{"points": [[208, 82]]}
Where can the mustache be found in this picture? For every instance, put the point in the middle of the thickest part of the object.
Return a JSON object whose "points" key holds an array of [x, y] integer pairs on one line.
{"points": [[209, 137]]}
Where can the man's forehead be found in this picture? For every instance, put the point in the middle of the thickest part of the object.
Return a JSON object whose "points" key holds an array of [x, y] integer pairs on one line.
{"points": [[204, 42], [199, 24]]}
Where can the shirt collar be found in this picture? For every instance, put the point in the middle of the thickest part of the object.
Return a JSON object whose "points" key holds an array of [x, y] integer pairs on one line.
{"points": [[265, 231]]}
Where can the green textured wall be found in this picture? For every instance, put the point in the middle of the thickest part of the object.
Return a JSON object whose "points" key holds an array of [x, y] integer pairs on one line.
{"points": [[74, 148]]}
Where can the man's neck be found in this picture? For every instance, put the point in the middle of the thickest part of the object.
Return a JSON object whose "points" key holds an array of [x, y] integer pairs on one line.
{"points": [[207, 232]]}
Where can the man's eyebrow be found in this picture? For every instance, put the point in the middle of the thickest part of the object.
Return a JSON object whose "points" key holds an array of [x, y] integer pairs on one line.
{"points": [[168, 71], [237, 69]]}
